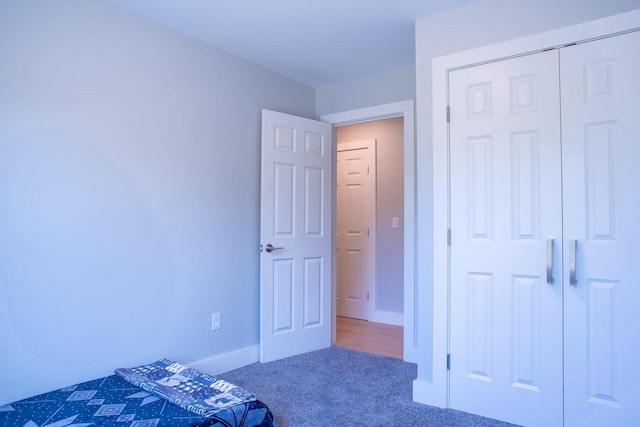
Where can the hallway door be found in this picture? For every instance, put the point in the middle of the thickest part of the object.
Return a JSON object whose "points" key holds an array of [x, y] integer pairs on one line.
{"points": [[355, 233]]}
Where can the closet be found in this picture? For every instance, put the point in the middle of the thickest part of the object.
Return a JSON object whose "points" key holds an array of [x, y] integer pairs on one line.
{"points": [[544, 219]]}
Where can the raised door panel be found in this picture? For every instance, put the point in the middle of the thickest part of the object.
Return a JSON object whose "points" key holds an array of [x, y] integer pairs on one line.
{"points": [[284, 199], [601, 175], [505, 330], [283, 295]]}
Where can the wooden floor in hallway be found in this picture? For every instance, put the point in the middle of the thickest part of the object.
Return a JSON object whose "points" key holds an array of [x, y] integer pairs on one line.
{"points": [[370, 337]]}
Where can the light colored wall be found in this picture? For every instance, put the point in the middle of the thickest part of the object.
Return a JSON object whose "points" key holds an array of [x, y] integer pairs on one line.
{"points": [[389, 134], [129, 193], [377, 89], [479, 24]]}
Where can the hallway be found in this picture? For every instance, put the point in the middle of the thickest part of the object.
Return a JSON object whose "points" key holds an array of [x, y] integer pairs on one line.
{"points": [[370, 337]]}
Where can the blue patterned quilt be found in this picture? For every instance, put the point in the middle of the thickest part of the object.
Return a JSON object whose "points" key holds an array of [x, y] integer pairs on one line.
{"points": [[188, 388], [114, 402]]}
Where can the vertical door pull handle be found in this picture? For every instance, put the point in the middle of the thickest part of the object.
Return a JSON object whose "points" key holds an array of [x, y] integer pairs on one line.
{"points": [[573, 246], [550, 261]]}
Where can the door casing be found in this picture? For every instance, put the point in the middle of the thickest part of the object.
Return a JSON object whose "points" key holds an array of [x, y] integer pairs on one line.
{"points": [[403, 109]]}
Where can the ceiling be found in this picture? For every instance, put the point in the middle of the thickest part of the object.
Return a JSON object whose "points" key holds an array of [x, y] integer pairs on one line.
{"points": [[318, 43]]}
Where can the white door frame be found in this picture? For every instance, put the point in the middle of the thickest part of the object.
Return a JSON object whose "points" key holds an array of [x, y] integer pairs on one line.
{"points": [[403, 109], [432, 386]]}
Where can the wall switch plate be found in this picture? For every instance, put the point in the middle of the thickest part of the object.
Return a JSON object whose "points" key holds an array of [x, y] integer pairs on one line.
{"points": [[395, 222], [215, 322]]}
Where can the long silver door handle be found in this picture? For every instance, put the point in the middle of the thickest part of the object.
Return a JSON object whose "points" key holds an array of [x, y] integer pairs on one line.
{"points": [[270, 248], [573, 246], [550, 261]]}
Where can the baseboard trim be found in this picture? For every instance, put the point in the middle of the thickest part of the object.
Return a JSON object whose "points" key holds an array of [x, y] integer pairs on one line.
{"points": [[387, 317], [423, 392], [228, 361]]}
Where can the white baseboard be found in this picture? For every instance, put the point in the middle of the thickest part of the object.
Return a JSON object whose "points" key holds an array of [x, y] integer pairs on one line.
{"points": [[387, 317], [228, 361], [424, 392]]}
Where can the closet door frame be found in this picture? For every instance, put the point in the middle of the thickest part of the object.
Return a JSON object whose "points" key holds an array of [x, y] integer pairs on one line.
{"points": [[435, 390]]}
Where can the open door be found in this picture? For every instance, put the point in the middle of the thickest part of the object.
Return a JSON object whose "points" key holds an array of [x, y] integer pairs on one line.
{"points": [[295, 235]]}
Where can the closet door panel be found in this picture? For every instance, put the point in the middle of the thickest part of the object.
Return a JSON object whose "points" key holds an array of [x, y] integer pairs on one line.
{"points": [[601, 176], [506, 320]]}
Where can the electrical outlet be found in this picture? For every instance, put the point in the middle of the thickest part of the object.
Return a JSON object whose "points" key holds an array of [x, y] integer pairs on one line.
{"points": [[215, 322]]}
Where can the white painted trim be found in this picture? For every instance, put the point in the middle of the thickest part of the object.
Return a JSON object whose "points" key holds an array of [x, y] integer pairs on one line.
{"points": [[357, 145], [221, 363], [369, 114], [436, 391], [425, 392], [403, 109], [387, 317]]}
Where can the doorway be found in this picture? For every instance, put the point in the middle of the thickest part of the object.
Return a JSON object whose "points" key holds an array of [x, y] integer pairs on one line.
{"points": [[403, 112], [369, 337], [382, 227], [369, 236], [327, 286]]}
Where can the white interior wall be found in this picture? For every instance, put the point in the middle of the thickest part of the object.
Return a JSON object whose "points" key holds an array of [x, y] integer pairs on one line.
{"points": [[129, 193], [392, 86]]}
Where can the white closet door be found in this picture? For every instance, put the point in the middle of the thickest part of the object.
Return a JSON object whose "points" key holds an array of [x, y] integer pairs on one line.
{"points": [[601, 173], [505, 165]]}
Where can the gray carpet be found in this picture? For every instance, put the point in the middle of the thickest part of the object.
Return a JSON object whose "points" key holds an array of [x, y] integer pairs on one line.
{"points": [[340, 387]]}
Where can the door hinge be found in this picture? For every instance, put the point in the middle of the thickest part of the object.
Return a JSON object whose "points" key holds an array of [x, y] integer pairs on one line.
{"points": [[448, 114], [448, 362], [367, 296], [367, 232], [448, 236]]}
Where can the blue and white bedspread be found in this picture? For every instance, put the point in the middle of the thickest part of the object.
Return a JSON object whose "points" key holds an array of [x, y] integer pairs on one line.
{"points": [[114, 402], [188, 388]]}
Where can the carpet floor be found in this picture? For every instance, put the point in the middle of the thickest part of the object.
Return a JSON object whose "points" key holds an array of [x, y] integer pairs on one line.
{"points": [[341, 387]]}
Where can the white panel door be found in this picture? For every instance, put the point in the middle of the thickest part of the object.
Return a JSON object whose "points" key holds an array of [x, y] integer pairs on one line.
{"points": [[506, 309], [601, 175], [355, 239], [295, 234]]}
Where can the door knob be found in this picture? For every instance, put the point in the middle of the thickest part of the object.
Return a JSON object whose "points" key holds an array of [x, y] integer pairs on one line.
{"points": [[270, 248]]}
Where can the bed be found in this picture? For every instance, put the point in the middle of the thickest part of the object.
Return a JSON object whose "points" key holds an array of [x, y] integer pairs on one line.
{"points": [[162, 394]]}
